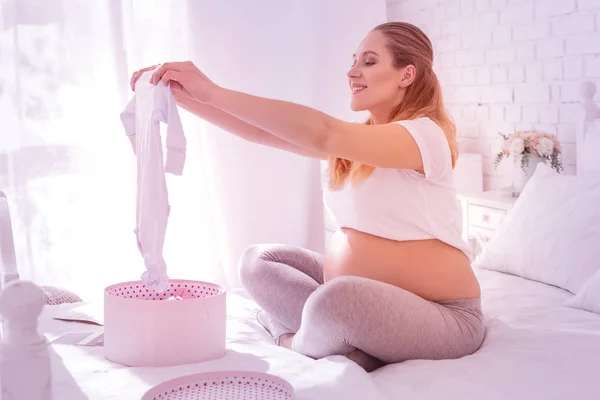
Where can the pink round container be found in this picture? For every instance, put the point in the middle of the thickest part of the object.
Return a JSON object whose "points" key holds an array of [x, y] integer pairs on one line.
{"points": [[146, 328]]}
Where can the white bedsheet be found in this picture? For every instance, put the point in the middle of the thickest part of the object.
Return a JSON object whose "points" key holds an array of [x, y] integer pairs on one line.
{"points": [[534, 348], [82, 372]]}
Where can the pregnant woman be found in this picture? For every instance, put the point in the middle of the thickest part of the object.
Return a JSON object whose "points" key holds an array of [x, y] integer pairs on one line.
{"points": [[395, 282]]}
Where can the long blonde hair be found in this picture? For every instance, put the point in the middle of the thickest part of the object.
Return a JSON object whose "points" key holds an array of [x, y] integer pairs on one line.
{"points": [[423, 98]]}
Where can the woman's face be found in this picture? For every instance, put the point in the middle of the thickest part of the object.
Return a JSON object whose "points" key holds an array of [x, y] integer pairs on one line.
{"points": [[374, 81]]}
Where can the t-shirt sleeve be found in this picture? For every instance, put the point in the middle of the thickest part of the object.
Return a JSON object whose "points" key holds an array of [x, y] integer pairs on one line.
{"points": [[434, 148], [128, 120]]}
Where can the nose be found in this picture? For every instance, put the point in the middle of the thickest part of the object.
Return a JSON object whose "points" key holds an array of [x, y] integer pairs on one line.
{"points": [[353, 72]]}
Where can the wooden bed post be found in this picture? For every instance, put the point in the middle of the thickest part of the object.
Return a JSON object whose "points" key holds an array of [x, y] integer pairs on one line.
{"points": [[25, 368], [8, 263]]}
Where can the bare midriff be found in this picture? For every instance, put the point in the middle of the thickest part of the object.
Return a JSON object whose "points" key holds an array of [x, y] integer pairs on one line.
{"points": [[430, 269]]}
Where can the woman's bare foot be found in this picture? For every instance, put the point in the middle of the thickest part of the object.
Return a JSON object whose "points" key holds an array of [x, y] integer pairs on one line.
{"points": [[286, 340]]}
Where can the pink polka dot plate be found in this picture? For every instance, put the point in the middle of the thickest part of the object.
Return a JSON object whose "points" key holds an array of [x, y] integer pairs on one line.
{"points": [[223, 385]]}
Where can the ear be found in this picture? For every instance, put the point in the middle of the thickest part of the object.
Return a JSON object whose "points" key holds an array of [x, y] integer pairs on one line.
{"points": [[407, 75]]}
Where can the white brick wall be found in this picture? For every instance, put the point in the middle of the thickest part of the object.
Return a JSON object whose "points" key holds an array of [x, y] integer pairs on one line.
{"points": [[510, 64]]}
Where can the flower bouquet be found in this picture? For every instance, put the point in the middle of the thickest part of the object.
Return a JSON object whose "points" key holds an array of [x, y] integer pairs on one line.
{"points": [[528, 149], [531, 146]]}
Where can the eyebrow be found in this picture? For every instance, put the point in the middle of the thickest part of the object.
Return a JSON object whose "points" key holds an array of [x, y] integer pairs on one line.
{"points": [[367, 52]]}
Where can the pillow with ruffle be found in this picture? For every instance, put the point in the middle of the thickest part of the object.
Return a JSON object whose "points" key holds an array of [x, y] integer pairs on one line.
{"points": [[54, 296]]}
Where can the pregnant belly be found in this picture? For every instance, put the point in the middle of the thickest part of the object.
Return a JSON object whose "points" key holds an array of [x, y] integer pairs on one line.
{"points": [[428, 268]]}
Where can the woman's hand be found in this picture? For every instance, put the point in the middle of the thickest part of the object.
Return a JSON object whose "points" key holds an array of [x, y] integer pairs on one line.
{"points": [[187, 79], [182, 96], [136, 75]]}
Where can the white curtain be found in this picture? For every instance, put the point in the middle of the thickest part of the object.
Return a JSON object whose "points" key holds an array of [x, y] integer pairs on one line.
{"points": [[68, 169]]}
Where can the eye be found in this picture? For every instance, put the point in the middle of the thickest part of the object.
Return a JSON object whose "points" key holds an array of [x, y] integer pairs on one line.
{"points": [[367, 63]]}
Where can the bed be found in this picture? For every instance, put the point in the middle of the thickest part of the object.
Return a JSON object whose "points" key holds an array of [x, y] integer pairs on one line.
{"points": [[534, 348], [535, 345]]}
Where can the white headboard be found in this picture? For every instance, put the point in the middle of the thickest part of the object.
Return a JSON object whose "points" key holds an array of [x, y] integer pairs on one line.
{"points": [[588, 132]]}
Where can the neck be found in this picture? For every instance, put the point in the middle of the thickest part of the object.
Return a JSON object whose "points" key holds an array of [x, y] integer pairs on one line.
{"points": [[379, 117], [382, 113]]}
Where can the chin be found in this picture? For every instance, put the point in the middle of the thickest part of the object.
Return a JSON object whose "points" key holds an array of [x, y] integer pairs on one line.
{"points": [[357, 106]]}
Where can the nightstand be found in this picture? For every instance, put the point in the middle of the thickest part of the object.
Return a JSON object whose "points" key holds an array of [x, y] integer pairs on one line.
{"points": [[482, 213]]}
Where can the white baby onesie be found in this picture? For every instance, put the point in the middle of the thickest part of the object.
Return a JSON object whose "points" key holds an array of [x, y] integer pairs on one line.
{"points": [[141, 118]]}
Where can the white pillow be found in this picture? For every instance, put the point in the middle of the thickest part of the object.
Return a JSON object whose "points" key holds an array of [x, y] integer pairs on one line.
{"points": [[588, 297], [552, 233]]}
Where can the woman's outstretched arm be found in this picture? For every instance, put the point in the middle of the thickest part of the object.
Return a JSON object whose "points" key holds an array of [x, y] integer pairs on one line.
{"points": [[386, 145], [243, 129]]}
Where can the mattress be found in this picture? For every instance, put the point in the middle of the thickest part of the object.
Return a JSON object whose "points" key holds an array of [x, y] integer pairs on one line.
{"points": [[81, 372], [534, 348]]}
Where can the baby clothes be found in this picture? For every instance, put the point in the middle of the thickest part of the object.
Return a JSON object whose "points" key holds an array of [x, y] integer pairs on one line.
{"points": [[141, 119]]}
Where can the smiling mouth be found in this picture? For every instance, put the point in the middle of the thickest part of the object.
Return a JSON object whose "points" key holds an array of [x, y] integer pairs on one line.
{"points": [[358, 89]]}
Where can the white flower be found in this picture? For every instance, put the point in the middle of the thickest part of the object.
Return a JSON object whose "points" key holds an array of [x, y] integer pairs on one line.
{"points": [[517, 146], [545, 147]]}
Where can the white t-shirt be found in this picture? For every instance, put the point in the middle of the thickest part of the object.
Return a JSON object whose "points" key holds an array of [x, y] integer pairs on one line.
{"points": [[402, 204]]}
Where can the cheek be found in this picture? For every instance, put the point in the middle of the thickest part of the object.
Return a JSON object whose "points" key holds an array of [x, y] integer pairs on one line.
{"points": [[384, 83]]}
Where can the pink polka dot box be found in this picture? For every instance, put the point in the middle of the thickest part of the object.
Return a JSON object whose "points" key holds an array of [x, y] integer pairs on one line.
{"points": [[225, 385], [185, 324]]}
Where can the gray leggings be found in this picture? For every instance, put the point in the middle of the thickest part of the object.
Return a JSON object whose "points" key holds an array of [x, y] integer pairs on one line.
{"points": [[348, 313]]}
